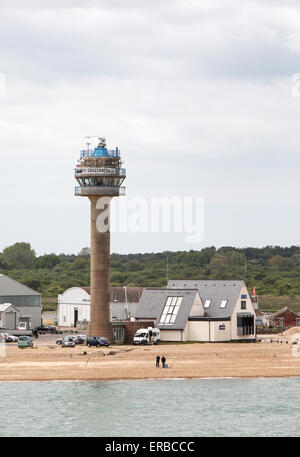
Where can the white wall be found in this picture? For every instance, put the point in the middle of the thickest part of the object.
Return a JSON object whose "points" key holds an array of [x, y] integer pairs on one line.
{"points": [[220, 335], [249, 309], [71, 299], [198, 330], [171, 335], [197, 308]]}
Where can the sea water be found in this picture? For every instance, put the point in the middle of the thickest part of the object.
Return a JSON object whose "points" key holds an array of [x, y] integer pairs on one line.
{"points": [[168, 407]]}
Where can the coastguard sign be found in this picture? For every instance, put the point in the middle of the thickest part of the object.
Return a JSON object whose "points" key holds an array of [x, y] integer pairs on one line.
{"points": [[98, 171]]}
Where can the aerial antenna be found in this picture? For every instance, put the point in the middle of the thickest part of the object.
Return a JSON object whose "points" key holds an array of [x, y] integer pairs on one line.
{"points": [[167, 268]]}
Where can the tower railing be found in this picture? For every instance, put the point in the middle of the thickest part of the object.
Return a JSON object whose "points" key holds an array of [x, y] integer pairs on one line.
{"points": [[89, 153]]}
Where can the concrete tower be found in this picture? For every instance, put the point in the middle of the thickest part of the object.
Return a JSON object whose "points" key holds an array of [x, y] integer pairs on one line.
{"points": [[99, 175]]}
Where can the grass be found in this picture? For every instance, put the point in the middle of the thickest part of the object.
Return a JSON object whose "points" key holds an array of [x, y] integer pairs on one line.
{"points": [[271, 303], [49, 304]]}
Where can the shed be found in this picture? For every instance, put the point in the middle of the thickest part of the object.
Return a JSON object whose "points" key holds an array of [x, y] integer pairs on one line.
{"points": [[9, 316]]}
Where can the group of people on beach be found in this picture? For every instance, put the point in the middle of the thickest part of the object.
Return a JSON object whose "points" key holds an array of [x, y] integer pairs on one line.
{"points": [[163, 361]]}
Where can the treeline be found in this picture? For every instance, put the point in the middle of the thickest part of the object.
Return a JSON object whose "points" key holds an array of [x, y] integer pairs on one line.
{"points": [[272, 270]]}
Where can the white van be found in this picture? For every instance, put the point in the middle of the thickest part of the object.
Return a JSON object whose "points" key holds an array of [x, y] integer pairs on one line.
{"points": [[147, 336], [23, 326]]}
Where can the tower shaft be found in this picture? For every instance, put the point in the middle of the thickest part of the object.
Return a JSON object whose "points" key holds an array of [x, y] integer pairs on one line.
{"points": [[99, 174], [100, 254]]}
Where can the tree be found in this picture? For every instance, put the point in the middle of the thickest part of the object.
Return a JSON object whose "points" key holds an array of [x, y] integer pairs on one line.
{"points": [[47, 261], [34, 284], [286, 264], [274, 261], [85, 252], [18, 256]]}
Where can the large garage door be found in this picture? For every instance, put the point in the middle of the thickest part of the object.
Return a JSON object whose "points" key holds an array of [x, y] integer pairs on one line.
{"points": [[10, 320]]}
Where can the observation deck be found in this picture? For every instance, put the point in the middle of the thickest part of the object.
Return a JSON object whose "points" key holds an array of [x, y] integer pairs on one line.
{"points": [[114, 191], [99, 171]]}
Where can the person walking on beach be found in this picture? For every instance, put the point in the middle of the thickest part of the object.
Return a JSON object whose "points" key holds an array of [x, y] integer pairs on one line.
{"points": [[163, 361], [157, 360]]}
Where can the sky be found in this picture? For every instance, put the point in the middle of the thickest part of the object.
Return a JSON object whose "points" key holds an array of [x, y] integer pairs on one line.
{"points": [[202, 98]]}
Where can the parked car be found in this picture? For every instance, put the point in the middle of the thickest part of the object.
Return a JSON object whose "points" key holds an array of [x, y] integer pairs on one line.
{"points": [[97, 341], [23, 326], [55, 330], [68, 341], [78, 339], [9, 338], [60, 340], [25, 341], [43, 329]]}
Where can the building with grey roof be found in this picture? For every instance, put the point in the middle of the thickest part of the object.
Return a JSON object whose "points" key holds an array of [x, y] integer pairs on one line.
{"points": [[200, 310], [27, 301]]}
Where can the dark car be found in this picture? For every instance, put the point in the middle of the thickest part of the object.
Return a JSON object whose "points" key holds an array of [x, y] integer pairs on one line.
{"points": [[43, 329], [97, 341], [55, 330]]}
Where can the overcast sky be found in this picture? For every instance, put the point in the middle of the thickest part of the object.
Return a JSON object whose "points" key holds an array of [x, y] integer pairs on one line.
{"points": [[197, 94]]}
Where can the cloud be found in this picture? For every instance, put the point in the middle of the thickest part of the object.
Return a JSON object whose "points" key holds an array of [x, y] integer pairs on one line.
{"points": [[196, 94]]}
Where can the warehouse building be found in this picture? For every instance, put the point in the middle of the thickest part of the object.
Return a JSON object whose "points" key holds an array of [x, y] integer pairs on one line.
{"points": [[193, 310], [25, 300], [74, 305]]}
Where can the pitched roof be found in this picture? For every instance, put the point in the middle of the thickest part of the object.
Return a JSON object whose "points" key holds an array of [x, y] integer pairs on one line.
{"points": [[5, 306], [117, 294], [258, 312], [152, 303], [118, 311], [10, 287], [283, 310], [214, 290]]}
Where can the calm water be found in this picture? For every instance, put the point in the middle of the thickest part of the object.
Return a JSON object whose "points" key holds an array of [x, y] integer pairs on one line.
{"points": [[198, 407]]}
